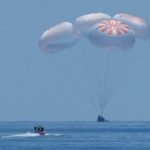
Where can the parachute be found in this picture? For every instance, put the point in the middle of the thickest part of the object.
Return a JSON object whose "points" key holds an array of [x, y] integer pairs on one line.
{"points": [[58, 38], [105, 32], [85, 22], [140, 27], [112, 34]]}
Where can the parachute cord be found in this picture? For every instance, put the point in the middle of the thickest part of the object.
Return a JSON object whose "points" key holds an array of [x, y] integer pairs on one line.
{"points": [[113, 83], [78, 87], [90, 81], [101, 110], [96, 86], [106, 78], [123, 72]]}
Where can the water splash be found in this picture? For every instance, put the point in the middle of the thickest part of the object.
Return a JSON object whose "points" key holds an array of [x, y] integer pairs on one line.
{"points": [[29, 134]]}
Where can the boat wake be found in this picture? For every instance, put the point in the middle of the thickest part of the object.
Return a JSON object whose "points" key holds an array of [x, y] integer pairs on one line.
{"points": [[30, 134]]}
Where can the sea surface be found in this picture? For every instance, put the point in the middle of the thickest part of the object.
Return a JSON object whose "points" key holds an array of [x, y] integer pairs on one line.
{"points": [[75, 136]]}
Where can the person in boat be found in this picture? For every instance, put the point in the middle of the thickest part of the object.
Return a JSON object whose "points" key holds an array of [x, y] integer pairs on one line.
{"points": [[42, 129], [100, 118], [38, 129], [35, 129]]}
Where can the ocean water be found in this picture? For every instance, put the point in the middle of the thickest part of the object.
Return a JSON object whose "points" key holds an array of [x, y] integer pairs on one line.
{"points": [[75, 136]]}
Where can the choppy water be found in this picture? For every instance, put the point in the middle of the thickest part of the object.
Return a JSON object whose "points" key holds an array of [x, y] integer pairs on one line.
{"points": [[76, 136]]}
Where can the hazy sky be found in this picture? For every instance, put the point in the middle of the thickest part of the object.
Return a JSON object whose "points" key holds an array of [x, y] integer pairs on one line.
{"points": [[37, 86]]}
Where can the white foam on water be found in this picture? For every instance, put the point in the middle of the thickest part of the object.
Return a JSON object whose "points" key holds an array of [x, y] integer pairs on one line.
{"points": [[55, 134], [30, 134], [24, 135]]}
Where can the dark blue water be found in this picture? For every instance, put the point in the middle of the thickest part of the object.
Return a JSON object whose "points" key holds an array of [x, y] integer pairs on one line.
{"points": [[76, 136]]}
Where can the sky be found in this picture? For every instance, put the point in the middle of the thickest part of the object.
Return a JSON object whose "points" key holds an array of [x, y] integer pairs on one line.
{"points": [[60, 86]]}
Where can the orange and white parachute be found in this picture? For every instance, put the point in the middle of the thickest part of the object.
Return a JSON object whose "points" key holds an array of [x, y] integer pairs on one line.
{"points": [[140, 27], [110, 34]]}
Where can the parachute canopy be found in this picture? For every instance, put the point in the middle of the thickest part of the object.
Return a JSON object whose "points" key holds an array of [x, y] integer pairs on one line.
{"points": [[140, 27], [85, 22], [112, 34], [103, 31], [59, 37]]}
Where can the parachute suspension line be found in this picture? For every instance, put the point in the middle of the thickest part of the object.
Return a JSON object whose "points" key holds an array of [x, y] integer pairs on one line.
{"points": [[97, 86], [115, 77], [103, 100], [123, 70], [116, 80], [77, 87], [87, 67], [96, 82]]}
